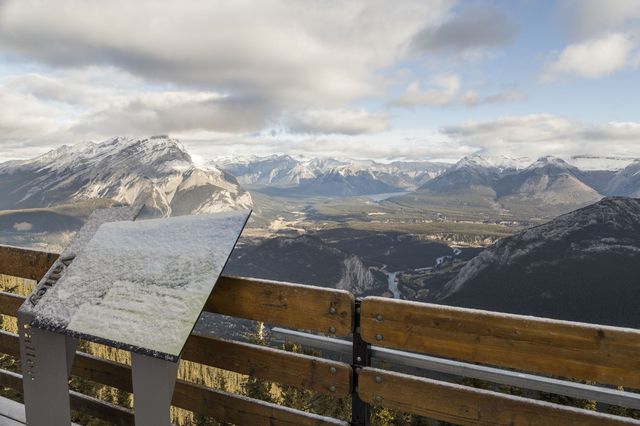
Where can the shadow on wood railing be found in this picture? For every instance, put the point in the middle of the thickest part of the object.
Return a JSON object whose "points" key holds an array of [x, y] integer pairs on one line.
{"points": [[607, 355]]}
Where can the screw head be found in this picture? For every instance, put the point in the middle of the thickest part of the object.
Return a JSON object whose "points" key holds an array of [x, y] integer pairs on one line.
{"points": [[332, 388], [378, 398], [379, 337], [359, 359], [379, 317], [333, 310], [333, 370], [332, 330], [378, 379]]}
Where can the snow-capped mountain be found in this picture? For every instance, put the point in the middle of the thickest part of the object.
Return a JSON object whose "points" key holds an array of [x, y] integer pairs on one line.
{"points": [[470, 174], [340, 182], [283, 171], [626, 181], [157, 171], [581, 266], [549, 180]]}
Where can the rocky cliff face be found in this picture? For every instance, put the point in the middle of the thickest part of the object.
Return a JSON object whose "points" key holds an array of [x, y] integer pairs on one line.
{"points": [[356, 277], [581, 266], [157, 171], [304, 260]]}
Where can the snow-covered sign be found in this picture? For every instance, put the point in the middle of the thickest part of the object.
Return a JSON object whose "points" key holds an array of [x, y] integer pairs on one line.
{"points": [[142, 285]]}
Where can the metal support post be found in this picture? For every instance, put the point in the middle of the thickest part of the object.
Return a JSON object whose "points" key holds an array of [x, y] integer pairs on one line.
{"points": [[46, 360], [153, 383], [360, 410]]}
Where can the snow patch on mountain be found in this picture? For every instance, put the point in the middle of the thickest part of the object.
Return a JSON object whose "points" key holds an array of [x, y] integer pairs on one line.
{"points": [[157, 171]]}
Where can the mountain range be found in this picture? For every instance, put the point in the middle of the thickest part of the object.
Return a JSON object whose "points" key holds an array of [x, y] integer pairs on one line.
{"points": [[286, 175], [510, 182], [157, 171], [582, 266]]}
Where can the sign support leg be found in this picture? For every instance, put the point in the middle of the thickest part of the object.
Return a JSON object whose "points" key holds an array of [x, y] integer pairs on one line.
{"points": [[153, 383], [46, 359]]}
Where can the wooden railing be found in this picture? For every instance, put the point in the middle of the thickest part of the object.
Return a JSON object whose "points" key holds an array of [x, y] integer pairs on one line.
{"points": [[606, 355]]}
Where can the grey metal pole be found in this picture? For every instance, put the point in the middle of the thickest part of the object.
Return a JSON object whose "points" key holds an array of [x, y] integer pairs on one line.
{"points": [[46, 360], [153, 382]]}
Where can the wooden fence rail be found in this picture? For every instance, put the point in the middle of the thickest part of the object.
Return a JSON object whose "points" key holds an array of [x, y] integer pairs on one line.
{"points": [[607, 355], [574, 350]]}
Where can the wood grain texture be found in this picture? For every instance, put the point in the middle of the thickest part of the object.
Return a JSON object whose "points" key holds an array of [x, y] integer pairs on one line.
{"points": [[303, 371], [580, 351], [25, 263], [223, 406], [308, 372], [9, 344], [470, 406], [92, 406], [241, 410], [290, 305], [10, 303]]}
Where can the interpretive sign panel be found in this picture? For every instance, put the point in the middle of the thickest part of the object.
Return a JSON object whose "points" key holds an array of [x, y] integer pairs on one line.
{"points": [[142, 285]]}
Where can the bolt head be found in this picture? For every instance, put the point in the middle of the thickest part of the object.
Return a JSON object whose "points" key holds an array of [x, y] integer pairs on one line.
{"points": [[379, 337], [333, 370], [332, 388], [332, 330], [378, 379], [333, 310], [379, 317], [378, 398], [359, 359]]}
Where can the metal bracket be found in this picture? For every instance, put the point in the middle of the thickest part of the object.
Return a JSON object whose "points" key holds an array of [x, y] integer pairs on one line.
{"points": [[360, 410]]}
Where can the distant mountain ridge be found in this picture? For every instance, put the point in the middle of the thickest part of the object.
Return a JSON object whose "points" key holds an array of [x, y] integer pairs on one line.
{"points": [[582, 266], [328, 176], [157, 171]]}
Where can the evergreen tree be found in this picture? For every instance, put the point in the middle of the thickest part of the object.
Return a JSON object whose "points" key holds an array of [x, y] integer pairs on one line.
{"points": [[254, 387]]}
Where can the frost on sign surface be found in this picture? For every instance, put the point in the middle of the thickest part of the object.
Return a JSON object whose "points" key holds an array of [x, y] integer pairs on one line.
{"points": [[142, 285]]}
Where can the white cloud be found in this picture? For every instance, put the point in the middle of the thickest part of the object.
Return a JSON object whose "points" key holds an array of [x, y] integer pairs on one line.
{"points": [[343, 121], [543, 134], [473, 28], [443, 91], [322, 53], [446, 90], [593, 58], [392, 144], [586, 19]]}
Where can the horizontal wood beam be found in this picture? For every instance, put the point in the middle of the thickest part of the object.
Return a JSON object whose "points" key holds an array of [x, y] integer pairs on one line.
{"points": [[306, 307], [290, 305], [241, 410], [200, 399], [103, 410], [574, 350], [10, 303], [25, 263], [9, 344], [465, 405], [88, 405], [303, 371]]}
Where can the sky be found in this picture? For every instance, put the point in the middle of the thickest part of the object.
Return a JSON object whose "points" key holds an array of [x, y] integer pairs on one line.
{"points": [[424, 79]]}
